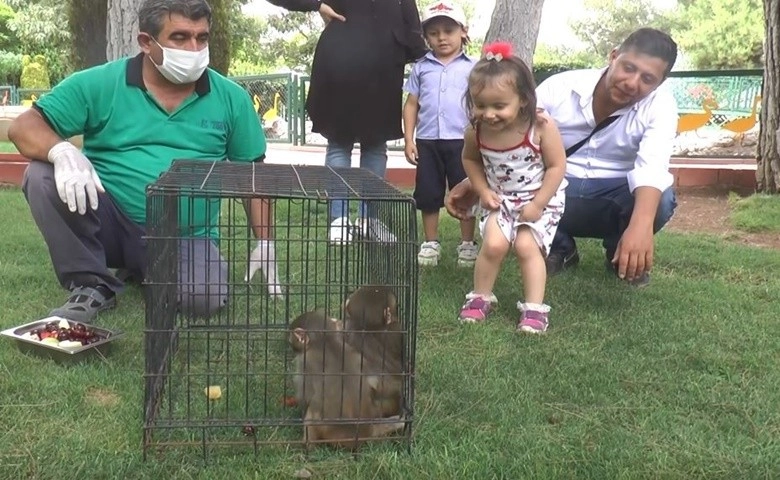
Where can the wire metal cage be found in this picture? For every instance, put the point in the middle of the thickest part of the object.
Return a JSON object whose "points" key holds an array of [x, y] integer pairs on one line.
{"points": [[222, 380]]}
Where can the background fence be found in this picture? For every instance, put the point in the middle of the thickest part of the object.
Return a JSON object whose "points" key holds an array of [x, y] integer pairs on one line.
{"points": [[714, 102], [735, 92], [708, 100]]}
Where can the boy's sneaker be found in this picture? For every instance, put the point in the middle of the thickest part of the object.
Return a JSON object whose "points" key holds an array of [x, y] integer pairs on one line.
{"points": [[340, 231], [467, 254], [376, 230], [533, 319], [476, 309], [429, 254]]}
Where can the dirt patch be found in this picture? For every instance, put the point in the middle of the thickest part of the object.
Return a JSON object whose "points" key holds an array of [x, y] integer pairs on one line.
{"points": [[101, 397], [707, 211]]}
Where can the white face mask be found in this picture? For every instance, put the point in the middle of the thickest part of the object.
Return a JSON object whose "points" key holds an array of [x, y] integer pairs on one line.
{"points": [[182, 66]]}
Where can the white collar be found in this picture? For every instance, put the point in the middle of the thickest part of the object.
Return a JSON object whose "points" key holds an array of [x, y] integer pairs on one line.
{"points": [[585, 87]]}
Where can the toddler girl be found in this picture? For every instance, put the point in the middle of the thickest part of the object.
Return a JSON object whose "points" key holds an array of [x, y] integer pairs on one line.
{"points": [[514, 157]]}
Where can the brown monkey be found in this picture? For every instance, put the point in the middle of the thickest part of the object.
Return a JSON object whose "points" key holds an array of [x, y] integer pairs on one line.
{"points": [[372, 327], [330, 387], [309, 329]]}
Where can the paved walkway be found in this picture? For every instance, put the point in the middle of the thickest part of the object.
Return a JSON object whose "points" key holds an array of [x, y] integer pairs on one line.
{"points": [[284, 153]]}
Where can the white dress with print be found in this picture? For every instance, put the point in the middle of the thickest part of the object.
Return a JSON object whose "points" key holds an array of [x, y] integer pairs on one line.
{"points": [[516, 175]]}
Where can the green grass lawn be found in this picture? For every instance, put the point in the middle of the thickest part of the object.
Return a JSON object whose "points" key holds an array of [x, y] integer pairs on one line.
{"points": [[7, 147], [676, 381], [756, 213]]}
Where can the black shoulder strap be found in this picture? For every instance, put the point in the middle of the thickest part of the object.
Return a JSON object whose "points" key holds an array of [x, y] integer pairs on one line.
{"points": [[601, 126]]}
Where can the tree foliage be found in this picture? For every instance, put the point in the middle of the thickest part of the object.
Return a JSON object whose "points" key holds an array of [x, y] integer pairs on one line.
{"points": [[290, 40], [606, 23], [10, 68], [10, 48], [719, 34], [246, 33], [37, 26], [283, 41], [9, 42], [712, 34], [553, 59], [37, 23]]}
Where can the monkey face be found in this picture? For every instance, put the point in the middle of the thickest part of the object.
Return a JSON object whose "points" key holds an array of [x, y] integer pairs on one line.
{"points": [[371, 307], [311, 326]]}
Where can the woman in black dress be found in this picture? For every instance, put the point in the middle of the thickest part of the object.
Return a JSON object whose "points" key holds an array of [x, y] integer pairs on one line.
{"points": [[355, 94]]}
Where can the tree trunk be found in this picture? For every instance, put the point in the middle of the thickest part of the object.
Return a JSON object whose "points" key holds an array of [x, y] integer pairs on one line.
{"points": [[87, 25], [219, 40], [768, 171], [517, 22], [122, 28]]}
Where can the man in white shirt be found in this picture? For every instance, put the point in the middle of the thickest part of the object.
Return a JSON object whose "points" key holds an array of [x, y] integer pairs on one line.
{"points": [[619, 181]]}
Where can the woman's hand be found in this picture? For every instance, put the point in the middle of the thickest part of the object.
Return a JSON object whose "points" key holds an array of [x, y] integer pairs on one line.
{"points": [[328, 14]]}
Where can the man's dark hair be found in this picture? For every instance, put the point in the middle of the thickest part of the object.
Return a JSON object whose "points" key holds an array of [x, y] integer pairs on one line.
{"points": [[654, 43], [153, 13]]}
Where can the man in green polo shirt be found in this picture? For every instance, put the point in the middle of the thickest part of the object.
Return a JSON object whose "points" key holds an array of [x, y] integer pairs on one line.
{"points": [[136, 115]]}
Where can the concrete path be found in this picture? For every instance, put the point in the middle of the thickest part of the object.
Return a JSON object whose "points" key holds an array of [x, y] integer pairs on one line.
{"points": [[287, 154]]}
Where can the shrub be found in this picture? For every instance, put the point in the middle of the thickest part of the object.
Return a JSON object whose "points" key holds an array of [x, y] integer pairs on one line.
{"points": [[35, 74], [240, 68], [10, 68]]}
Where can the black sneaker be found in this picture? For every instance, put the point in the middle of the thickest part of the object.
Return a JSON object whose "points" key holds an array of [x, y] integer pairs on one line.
{"points": [[557, 262], [639, 282], [85, 303]]}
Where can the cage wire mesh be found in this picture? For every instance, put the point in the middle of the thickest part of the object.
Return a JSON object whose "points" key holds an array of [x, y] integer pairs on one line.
{"points": [[243, 347]]}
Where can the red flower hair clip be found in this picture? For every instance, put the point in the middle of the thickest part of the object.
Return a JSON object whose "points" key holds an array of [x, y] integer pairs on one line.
{"points": [[497, 51]]}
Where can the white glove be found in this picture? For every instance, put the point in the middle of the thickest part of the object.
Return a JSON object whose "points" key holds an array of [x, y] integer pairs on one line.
{"points": [[75, 177], [263, 258]]}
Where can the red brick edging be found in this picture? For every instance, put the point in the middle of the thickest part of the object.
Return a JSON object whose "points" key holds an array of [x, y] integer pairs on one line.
{"points": [[684, 176], [12, 167], [686, 173]]}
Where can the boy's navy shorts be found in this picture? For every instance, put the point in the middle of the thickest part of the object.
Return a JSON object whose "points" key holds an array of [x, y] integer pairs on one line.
{"points": [[439, 165]]}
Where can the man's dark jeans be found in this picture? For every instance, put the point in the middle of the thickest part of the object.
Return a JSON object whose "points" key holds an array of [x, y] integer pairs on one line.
{"points": [[602, 208]]}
